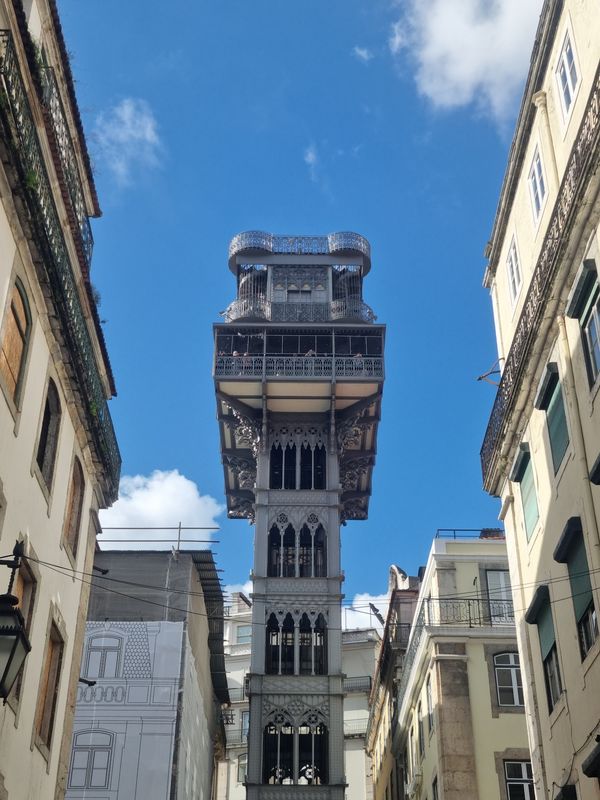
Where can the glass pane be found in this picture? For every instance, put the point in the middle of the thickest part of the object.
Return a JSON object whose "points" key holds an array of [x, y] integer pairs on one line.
{"points": [[77, 779], [94, 658], [110, 664], [557, 427]]}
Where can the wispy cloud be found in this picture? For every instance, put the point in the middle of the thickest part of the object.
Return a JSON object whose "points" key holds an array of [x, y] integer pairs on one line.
{"points": [[363, 54], [360, 614], [311, 159], [127, 139], [467, 52], [164, 498]]}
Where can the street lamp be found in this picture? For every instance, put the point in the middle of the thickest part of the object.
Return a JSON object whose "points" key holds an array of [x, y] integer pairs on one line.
{"points": [[14, 644]]}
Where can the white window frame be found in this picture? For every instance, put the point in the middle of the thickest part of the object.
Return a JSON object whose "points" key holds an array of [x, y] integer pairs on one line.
{"points": [[243, 634], [538, 190], [513, 667], [513, 272], [563, 64], [525, 780]]}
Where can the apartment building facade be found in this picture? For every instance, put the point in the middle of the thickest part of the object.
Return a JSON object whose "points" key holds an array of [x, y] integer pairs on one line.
{"points": [[59, 459], [459, 716], [360, 649], [541, 450]]}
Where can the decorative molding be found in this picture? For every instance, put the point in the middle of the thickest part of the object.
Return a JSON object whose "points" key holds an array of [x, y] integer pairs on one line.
{"points": [[309, 435]]}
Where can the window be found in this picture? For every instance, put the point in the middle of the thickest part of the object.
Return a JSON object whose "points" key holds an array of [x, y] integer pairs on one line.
{"points": [[103, 656], [591, 333], [429, 705], [522, 473], [540, 613], [537, 185], [509, 685], [499, 596], [420, 731], [514, 271], [566, 75], [245, 724], [15, 342], [90, 760], [519, 780], [24, 589], [49, 685], [48, 441], [241, 767], [550, 399], [243, 634], [74, 506], [434, 789], [583, 304], [571, 551]]}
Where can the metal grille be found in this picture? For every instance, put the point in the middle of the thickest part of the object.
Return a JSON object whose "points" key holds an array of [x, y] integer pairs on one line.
{"points": [[299, 367]]}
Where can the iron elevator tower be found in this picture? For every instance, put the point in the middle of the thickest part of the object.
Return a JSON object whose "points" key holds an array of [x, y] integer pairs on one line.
{"points": [[298, 372]]}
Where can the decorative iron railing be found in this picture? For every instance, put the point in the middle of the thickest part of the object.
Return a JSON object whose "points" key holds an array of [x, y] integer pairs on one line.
{"points": [[355, 727], [236, 735], [259, 308], [237, 694], [359, 367], [359, 684], [580, 167], [68, 160], [463, 613], [18, 118], [299, 245]]}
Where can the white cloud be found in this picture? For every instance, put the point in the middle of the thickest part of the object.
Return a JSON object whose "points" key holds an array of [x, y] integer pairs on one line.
{"points": [[359, 615], [311, 159], [127, 139], [160, 499], [362, 54], [232, 588], [468, 51]]}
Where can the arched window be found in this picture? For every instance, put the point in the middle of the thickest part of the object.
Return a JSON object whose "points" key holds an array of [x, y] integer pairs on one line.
{"points": [[48, 441], [74, 506], [320, 553], [274, 554], [320, 646], [287, 646], [313, 754], [15, 341], [276, 467], [272, 648], [320, 467], [289, 552], [509, 684], [305, 553], [90, 760], [104, 656], [289, 467], [305, 633], [306, 467], [278, 753]]}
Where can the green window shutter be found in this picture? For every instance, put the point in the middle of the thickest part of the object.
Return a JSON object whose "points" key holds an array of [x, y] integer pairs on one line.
{"points": [[545, 629], [557, 427], [579, 577], [529, 499]]}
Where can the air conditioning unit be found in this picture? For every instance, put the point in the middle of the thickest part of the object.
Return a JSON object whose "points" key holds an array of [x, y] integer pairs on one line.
{"points": [[411, 788]]}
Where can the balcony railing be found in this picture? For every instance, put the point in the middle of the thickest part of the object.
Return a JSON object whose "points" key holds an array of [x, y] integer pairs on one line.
{"points": [[68, 161], [462, 613], [359, 684], [261, 309], [580, 167], [236, 735], [355, 727], [299, 245], [237, 694], [17, 117], [363, 367]]}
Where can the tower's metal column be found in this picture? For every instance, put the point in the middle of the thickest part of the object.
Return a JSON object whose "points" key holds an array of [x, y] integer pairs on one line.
{"points": [[298, 375]]}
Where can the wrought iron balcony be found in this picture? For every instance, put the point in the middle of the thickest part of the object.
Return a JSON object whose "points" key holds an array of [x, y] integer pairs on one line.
{"points": [[299, 245], [359, 684], [260, 309], [68, 161], [465, 613], [328, 367], [580, 168], [18, 123], [355, 727]]}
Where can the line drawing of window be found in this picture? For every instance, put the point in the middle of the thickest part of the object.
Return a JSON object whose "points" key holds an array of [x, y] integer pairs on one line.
{"points": [[104, 656], [91, 760]]}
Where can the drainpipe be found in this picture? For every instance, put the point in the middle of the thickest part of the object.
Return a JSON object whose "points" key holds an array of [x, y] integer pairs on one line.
{"points": [[540, 102], [579, 443]]}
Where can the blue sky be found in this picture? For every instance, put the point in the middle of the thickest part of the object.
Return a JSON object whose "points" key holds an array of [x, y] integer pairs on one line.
{"points": [[394, 120]]}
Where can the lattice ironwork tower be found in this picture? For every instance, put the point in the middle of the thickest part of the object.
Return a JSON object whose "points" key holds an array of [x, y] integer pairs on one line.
{"points": [[298, 375]]}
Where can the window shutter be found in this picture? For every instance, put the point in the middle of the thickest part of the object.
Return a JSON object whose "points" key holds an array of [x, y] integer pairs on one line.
{"points": [[579, 577], [545, 629]]}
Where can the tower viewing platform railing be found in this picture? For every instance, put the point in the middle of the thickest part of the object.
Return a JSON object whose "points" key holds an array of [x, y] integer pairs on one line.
{"points": [[355, 367], [260, 309]]}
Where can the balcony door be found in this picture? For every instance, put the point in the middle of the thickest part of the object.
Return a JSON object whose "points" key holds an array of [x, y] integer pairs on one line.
{"points": [[499, 596]]}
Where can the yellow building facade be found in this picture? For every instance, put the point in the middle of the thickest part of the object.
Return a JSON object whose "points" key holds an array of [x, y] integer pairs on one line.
{"points": [[541, 449]]}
